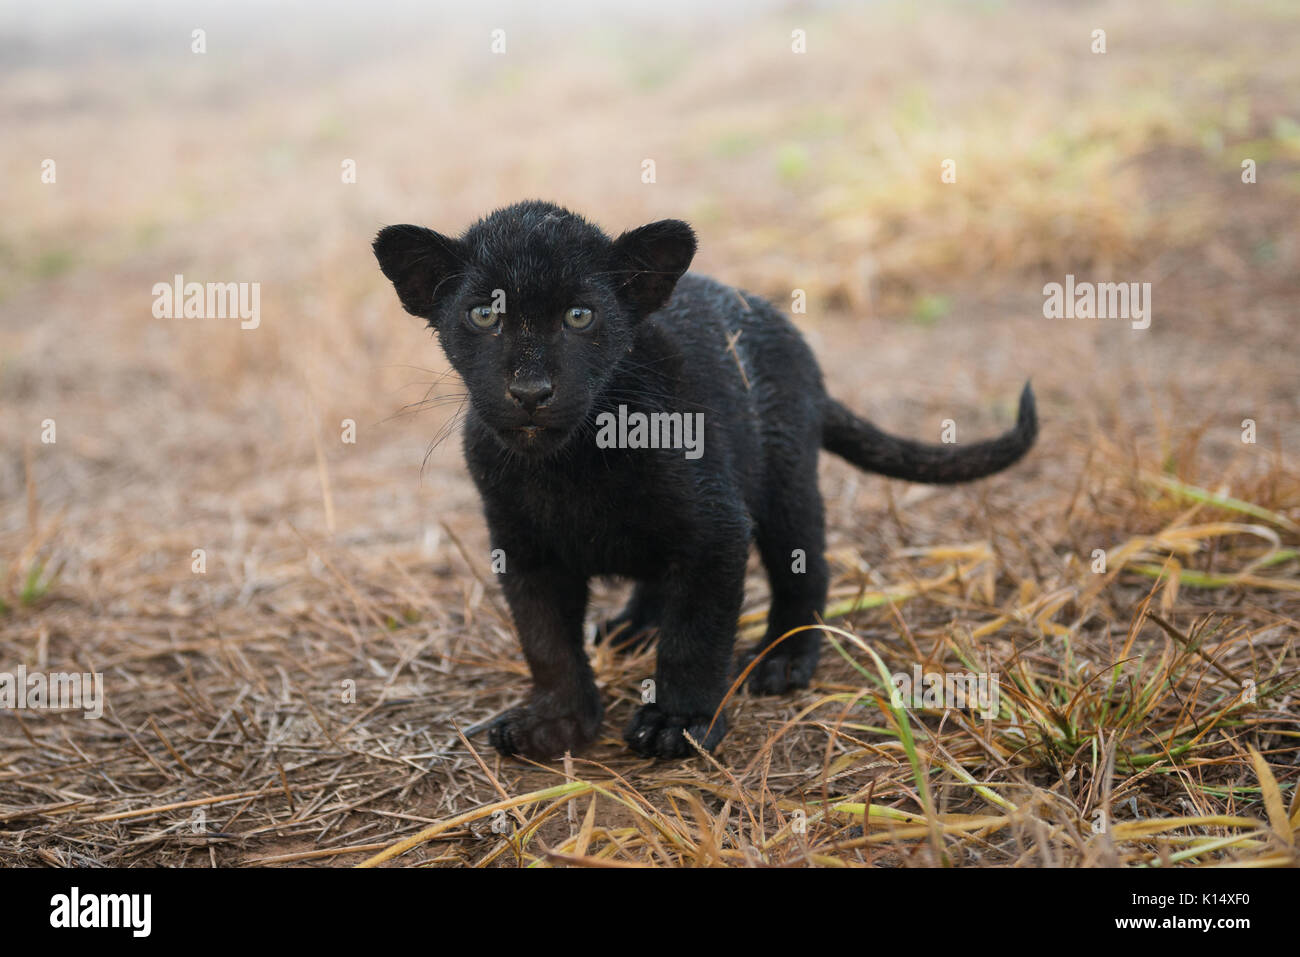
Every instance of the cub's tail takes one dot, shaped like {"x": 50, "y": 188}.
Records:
{"x": 861, "y": 443}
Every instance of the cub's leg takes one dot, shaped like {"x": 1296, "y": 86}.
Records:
{"x": 701, "y": 602}
{"x": 563, "y": 711}
{"x": 792, "y": 542}
{"x": 633, "y": 627}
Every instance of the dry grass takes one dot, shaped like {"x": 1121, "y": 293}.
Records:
{"x": 310, "y": 699}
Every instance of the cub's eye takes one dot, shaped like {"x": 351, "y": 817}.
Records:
{"x": 482, "y": 317}
{"x": 578, "y": 317}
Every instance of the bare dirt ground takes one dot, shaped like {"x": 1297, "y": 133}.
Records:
{"x": 297, "y": 699}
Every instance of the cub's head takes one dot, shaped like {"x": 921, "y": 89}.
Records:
{"x": 534, "y": 307}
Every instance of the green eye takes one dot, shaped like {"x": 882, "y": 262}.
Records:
{"x": 578, "y": 317}
{"x": 482, "y": 317}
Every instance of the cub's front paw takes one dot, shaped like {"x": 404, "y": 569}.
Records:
{"x": 533, "y": 732}
{"x": 653, "y": 733}
{"x": 781, "y": 669}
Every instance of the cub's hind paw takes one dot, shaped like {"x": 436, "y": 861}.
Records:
{"x": 522, "y": 730}
{"x": 653, "y": 733}
{"x": 781, "y": 669}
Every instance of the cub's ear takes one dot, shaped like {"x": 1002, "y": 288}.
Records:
{"x": 419, "y": 263}
{"x": 652, "y": 258}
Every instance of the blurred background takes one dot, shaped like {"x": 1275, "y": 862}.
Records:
{"x": 819, "y": 171}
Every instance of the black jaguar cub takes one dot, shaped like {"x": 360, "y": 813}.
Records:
{"x": 588, "y": 360}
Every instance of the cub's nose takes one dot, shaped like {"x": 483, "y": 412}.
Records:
{"x": 531, "y": 393}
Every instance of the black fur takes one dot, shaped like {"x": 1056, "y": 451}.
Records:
{"x": 565, "y": 510}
